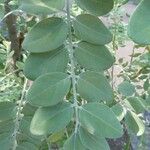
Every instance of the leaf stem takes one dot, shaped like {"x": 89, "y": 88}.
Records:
{"x": 19, "y": 116}
{"x": 131, "y": 59}
{"x": 71, "y": 57}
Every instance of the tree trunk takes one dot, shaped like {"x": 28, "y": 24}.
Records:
{"x": 12, "y": 31}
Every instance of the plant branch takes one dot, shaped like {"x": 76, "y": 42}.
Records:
{"x": 19, "y": 115}
{"x": 12, "y": 31}
{"x": 71, "y": 56}
{"x": 131, "y": 60}
{"x": 114, "y": 49}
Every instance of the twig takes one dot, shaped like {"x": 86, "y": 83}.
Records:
{"x": 131, "y": 60}
{"x": 18, "y": 115}
{"x": 48, "y": 143}
{"x": 12, "y": 30}
{"x": 71, "y": 57}
{"x": 7, "y": 75}
{"x": 114, "y": 50}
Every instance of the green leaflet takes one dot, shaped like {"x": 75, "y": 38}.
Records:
{"x": 51, "y": 119}
{"x": 1, "y": 12}
{"x": 74, "y": 143}
{"x": 100, "y": 120}
{"x": 93, "y": 57}
{"x": 96, "y": 7}
{"x": 47, "y": 35}
{"x": 6, "y": 126}
{"x": 126, "y": 88}
{"x": 49, "y": 89}
{"x": 29, "y": 110}
{"x": 92, "y": 142}
{"x": 136, "y": 104}
{"x": 25, "y": 127}
{"x": 40, "y": 7}
{"x": 26, "y": 146}
{"x": 5, "y": 141}
{"x": 42, "y": 63}
{"x": 83, "y": 140}
{"x": 139, "y": 25}
{"x": 119, "y": 111}
{"x": 93, "y": 86}
{"x": 25, "y": 137}
{"x": 146, "y": 84}
{"x": 7, "y": 110}
{"x": 91, "y": 29}
{"x": 55, "y": 137}
{"x": 145, "y": 60}
{"x": 134, "y": 124}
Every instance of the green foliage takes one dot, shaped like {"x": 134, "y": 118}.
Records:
{"x": 70, "y": 102}
{"x": 53, "y": 61}
{"x": 126, "y": 88}
{"x": 136, "y": 104}
{"x": 97, "y": 7}
{"x": 49, "y": 89}
{"x": 84, "y": 140}
{"x": 50, "y": 29}
{"x": 7, "y": 111}
{"x": 93, "y": 57}
{"x": 91, "y": 29}
{"x": 99, "y": 120}
{"x": 93, "y": 86}
{"x": 51, "y": 119}
{"x": 139, "y": 26}
{"x": 40, "y": 7}
{"x": 134, "y": 123}
{"x": 119, "y": 111}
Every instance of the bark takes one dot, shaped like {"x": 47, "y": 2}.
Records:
{"x": 12, "y": 31}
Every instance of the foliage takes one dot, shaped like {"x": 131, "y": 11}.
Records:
{"x": 70, "y": 104}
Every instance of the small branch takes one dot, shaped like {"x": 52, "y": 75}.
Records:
{"x": 71, "y": 57}
{"x": 19, "y": 115}
{"x": 131, "y": 60}
{"x": 48, "y": 143}
{"x": 12, "y": 31}
{"x": 7, "y": 75}
{"x": 114, "y": 50}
